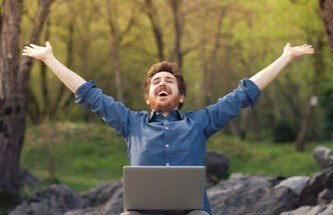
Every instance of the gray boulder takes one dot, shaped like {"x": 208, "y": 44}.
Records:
{"x": 217, "y": 166}
{"x": 325, "y": 197}
{"x": 106, "y": 199}
{"x": 323, "y": 156}
{"x": 317, "y": 183}
{"x": 104, "y": 192}
{"x": 26, "y": 178}
{"x": 295, "y": 183}
{"x": 240, "y": 194}
{"x": 54, "y": 200}
{"x": 312, "y": 210}
{"x": 251, "y": 194}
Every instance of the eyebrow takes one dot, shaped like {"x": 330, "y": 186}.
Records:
{"x": 167, "y": 78}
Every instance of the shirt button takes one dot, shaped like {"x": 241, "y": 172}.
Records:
{"x": 167, "y": 164}
{"x": 167, "y": 145}
{"x": 166, "y": 128}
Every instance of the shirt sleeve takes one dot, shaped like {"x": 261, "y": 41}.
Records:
{"x": 219, "y": 114}
{"x": 112, "y": 112}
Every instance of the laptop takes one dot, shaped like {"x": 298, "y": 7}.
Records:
{"x": 163, "y": 188}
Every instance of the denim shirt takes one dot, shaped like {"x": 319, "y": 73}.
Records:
{"x": 175, "y": 140}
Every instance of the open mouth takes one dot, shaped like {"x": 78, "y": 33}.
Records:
{"x": 163, "y": 94}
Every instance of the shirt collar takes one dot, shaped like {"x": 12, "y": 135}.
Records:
{"x": 174, "y": 115}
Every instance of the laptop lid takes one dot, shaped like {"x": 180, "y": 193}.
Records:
{"x": 163, "y": 187}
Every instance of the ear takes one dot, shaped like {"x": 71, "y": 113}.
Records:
{"x": 181, "y": 98}
{"x": 147, "y": 99}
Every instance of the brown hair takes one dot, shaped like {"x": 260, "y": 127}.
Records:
{"x": 165, "y": 66}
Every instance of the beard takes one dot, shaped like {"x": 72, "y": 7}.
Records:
{"x": 164, "y": 106}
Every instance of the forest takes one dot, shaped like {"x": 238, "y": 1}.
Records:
{"x": 215, "y": 43}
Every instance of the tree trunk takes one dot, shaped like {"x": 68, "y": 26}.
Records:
{"x": 326, "y": 9}
{"x": 175, "y": 6}
{"x": 58, "y": 103}
{"x": 115, "y": 49}
{"x": 11, "y": 117}
{"x": 244, "y": 123}
{"x": 44, "y": 83}
{"x": 117, "y": 36}
{"x": 155, "y": 24}
{"x": 300, "y": 141}
{"x": 14, "y": 79}
{"x": 319, "y": 68}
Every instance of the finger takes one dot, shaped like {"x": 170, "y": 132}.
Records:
{"x": 309, "y": 52}
{"x": 48, "y": 44}
{"x": 308, "y": 46}
{"x": 34, "y": 46}
{"x": 28, "y": 48}
{"x": 26, "y": 54}
{"x": 309, "y": 49}
{"x": 288, "y": 44}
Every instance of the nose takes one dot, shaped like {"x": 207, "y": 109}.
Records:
{"x": 162, "y": 83}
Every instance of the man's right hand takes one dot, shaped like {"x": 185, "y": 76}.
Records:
{"x": 38, "y": 52}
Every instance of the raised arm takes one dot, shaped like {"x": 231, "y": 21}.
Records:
{"x": 268, "y": 74}
{"x": 72, "y": 80}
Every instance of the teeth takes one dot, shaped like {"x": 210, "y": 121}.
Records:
{"x": 163, "y": 93}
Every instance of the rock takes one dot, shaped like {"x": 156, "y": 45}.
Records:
{"x": 315, "y": 185}
{"x": 107, "y": 199}
{"x": 252, "y": 194}
{"x": 325, "y": 197}
{"x": 323, "y": 156}
{"x": 217, "y": 166}
{"x": 295, "y": 183}
{"x": 240, "y": 194}
{"x": 103, "y": 193}
{"x": 25, "y": 178}
{"x": 312, "y": 210}
{"x": 86, "y": 211}
{"x": 54, "y": 200}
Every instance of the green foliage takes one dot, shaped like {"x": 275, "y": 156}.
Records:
{"x": 266, "y": 158}
{"x": 85, "y": 155}
{"x": 251, "y": 35}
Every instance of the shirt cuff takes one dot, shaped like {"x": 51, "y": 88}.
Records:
{"x": 251, "y": 90}
{"x": 82, "y": 91}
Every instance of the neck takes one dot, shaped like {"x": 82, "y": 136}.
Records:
{"x": 165, "y": 114}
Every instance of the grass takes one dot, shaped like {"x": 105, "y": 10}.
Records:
{"x": 266, "y": 158}
{"x": 83, "y": 155}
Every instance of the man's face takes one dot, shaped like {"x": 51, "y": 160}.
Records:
{"x": 164, "y": 93}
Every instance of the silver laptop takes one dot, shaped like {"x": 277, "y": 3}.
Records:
{"x": 163, "y": 187}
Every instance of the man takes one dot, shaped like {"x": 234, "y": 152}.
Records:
{"x": 165, "y": 136}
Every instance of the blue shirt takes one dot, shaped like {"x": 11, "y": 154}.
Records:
{"x": 175, "y": 140}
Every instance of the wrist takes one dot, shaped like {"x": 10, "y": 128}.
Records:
{"x": 48, "y": 58}
{"x": 287, "y": 57}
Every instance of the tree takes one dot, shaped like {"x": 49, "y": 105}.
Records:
{"x": 117, "y": 35}
{"x": 326, "y": 10}
{"x": 156, "y": 27}
{"x": 14, "y": 79}
{"x": 178, "y": 26}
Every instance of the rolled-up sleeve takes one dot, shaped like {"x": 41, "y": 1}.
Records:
{"x": 219, "y": 114}
{"x": 112, "y": 112}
